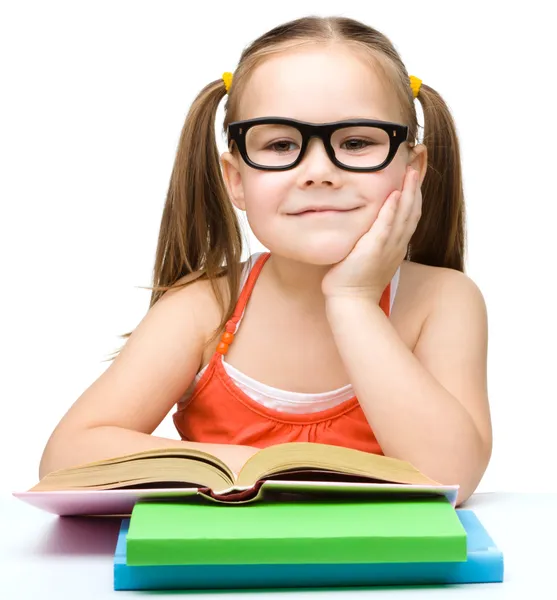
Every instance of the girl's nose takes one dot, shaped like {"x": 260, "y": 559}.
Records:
{"x": 316, "y": 167}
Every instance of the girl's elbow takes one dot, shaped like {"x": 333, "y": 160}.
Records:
{"x": 469, "y": 481}
{"x": 464, "y": 493}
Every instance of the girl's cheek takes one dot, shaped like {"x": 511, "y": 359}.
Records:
{"x": 379, "y": 188}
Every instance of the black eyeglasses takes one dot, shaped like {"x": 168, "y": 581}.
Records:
{"x": 278, "y": 144}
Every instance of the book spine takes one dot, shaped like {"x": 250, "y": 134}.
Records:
{"x": 485, "y": 567}
{"x": 233, "y": 495}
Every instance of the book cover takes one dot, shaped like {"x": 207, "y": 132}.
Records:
{"x": 417, "y": 530}
{"x": 122, "y": 501}
{"x": 484, "y": 564}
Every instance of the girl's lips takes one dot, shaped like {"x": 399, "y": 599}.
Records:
{"x": 326, "y": 211}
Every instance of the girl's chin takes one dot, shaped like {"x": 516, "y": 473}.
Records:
{"x": 319, "y": 252}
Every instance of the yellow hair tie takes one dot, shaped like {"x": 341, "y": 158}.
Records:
{"x": 227, "y": 78}
{"x": 415, "y": 84}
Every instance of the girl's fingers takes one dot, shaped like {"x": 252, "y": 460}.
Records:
{"x": 407, "y": 209}
{"x": 386, "y": 218}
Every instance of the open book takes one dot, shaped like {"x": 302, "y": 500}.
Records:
{"x": 114, "y": 485}
{"x": 191, "y": 467}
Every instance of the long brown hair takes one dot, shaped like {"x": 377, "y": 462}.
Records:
{"x": 200, "y": 237}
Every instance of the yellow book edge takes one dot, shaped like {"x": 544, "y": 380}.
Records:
{"x": 298, "y": 461}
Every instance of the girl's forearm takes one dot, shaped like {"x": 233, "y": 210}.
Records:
{"x": 412, "y": 415}
{"x": 99, "y": 443}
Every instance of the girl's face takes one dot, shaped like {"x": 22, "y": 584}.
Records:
{"x": 317, "y": 84}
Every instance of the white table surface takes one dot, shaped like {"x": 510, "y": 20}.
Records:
{"x": 44, "y": 556}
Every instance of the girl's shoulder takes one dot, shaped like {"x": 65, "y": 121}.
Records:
{"x": 427, "y": 293}
{"x": 208, "y": 312}
{"x": 201, "y": 293}
{"x": 420, "y": 278}
{"x": 438, "y": 301}
{"x": 434, "y": 282}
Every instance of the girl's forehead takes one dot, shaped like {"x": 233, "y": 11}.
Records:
{"x": 318, "y": 84}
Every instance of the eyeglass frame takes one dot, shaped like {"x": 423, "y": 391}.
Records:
{"x": 237, "y": 132}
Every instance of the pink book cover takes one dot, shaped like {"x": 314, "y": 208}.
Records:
{"x": 121, "y": 501}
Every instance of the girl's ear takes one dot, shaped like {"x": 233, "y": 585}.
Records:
{"x": 233, "y": 179}
{"x": 418, "y": 160}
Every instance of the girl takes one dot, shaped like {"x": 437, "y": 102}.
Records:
{"x": 358, "y": 327}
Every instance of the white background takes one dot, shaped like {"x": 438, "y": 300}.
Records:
{"x": 94, "y": 95}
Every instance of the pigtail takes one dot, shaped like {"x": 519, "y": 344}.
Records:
{"x": 199, "y": 236}
{"x": 439, "y": 239}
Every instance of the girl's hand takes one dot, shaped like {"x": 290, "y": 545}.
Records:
{"x": 373, "y": 261}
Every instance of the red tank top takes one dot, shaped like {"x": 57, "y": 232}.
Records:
{"x": 219, "y": 412}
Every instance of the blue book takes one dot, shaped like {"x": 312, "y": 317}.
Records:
{"x": 484, "y": 564}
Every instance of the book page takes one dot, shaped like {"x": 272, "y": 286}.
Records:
{"x": 161, "y": 465}
{"x": 282, "y": 458}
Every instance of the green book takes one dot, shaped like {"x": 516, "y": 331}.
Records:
{"x": 381, "y": 531}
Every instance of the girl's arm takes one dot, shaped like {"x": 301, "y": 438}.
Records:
{"x": 119, "y": 411}
{"x": 106, "y": 441}
{"x": 429, "y": 407}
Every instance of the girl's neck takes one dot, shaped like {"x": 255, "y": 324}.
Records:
{"x": 297, "y": 282}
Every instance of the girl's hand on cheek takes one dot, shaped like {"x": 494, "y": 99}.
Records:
{"x": 373, "y": 261}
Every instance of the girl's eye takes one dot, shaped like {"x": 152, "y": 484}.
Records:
{"x": 355, "y": 144}
{"x": 281, "y": 146}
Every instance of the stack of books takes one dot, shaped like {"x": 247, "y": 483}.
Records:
{"x": 297, "y": 515}
{"x": 186, "y": 546}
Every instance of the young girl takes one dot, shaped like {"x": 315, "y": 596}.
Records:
{"x": 358, "y": 327}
